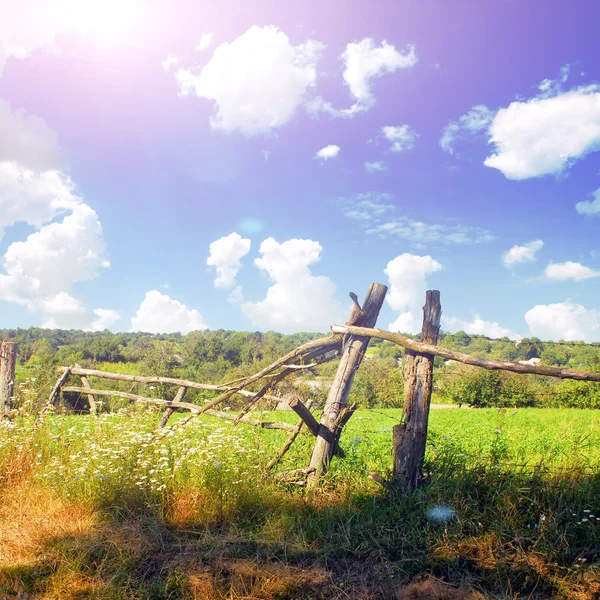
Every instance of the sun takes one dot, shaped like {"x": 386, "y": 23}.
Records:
{"x": 108, "y": 22}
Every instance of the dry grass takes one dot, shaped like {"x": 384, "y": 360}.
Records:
{"x": 30, "y": 517}
{"x": 106, "y": 512}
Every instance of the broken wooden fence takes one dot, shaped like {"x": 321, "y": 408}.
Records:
{"x": 410, "y": 435}
{"x": 349, "y": 347}
{"x": 348, "y": 342}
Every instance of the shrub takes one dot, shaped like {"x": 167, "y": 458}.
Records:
{"x": 573, "y": 394}
{"x": 482, "y": 388}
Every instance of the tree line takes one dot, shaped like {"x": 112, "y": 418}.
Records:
{"x": 215, "y": 356}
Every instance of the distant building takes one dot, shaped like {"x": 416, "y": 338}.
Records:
{"x": 532, "y": 362}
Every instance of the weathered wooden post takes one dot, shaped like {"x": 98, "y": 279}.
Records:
{"x": 337, "y": 400}
{"x": 169, "y": 411}
{"x": 410, "y": 436}
{"x": 8, "y": 361}
{"x": 93, "y": 402}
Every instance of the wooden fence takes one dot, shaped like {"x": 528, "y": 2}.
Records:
{"x": 410, "y": 435}
{"x": 348, "y": 343}
{"x": 8, "y": 361}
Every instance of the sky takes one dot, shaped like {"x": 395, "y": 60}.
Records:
{"x": 183, "y": 165}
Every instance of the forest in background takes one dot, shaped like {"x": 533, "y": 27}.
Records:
{"x": 216, "y": 356}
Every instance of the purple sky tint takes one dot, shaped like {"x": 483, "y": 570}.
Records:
{"x": 165, "y": 182}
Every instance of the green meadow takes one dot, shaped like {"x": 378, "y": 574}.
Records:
{"x": 113, "y": 508}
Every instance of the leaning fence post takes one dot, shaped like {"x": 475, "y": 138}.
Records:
{"x": 93, "y": 402}
{"x": 410, "y": 436}
{"x": 169, "y": 411}
{"x": 8, "y": 361}
{"x": 337, "y": 399}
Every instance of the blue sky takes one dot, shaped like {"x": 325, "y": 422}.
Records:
{"x": 318, "y": 147}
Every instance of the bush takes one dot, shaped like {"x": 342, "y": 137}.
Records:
{"x": 482, "y": 388}
{"x": 378, "y": 383}
{"x": 573, "y": 394}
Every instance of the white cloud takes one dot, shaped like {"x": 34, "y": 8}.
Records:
{"x": 63, "y": 311}
{"x": 370, "y": 209}
{"x": 478, "y": 326}
{"x": 62, "y": 304}
{"x": 328, "y": 152}
{"x": 236, "y": 296}
{"x": 551, "y": 87}
{"x": 569, "y": 271}
{"x": 205, "y": 42}
{"x": 30, "y": 25}
{"x": 297, "y": 300}
{"x": 423, "y": 233}
{"x": 34, "y": 198}
{"x": 27, "y": 140}
{"x": 407, "y": 275}
{"x": 40, "y": 271}
{"x": 159, "y": 313}
{"x": 564, "y": 321}
{"x": 365, "y": 61}
{"x": 52, "y": 259}
{"x": 402, "y": 137}
{"x": 104, "y": 319}
{"x": 544, "y": 136}
{"x": 258, "y": 81}
{"x": 589, "y": 207}
{"x": 369, "y": 206}
{"x": 376, "y": 166}
{"x": 476, "y": 120}
{"x": 20, "y": 33}
{"x": 66, "y": 312}
{"x": 521, "y": 254}
{"x": 226, "y": 255}
{"x": 170, "y": 61}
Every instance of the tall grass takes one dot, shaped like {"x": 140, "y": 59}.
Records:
{"x": 109, "y": 508}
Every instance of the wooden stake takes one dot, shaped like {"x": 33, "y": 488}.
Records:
{"x": 313, "y": 425}
{"x": 91, "y": 398}
{"x": 167, "y": 414}
{"x": 337, "y": 399}
{"x": 302, "y": 411}
{"x": 8, "y": 361}
{"x": 55, "y": 393}
{"x": 410, "y": 436}
{"x": 289, "y": 441}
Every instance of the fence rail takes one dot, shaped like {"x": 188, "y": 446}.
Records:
{"x": 485, "y": 363}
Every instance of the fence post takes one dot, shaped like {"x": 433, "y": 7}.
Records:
{"x": 8, "y": 361}
{"x": 353, "y": 352}
{"x": 410, "y": 436}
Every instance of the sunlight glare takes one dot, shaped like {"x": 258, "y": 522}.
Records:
{"x": 108, "y": 22}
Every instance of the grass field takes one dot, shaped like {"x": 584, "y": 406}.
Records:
{"x": 109, "y": 509}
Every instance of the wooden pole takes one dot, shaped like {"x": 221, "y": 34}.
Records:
{"x": 162, "y": 380}
{"x": 169, "y": 411}
{"x": 91, "y": 398}
{"x": 55, "y": 393}
{"x": 289, "y": 441}
{"x": 354, "y": 348}
{"x": 193, "y": 408}
{"x": 304, "y": 413}
{"x": 410, "y": 436}
{"x": 8, "y": 361}
{"x": 467, "y": 359}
